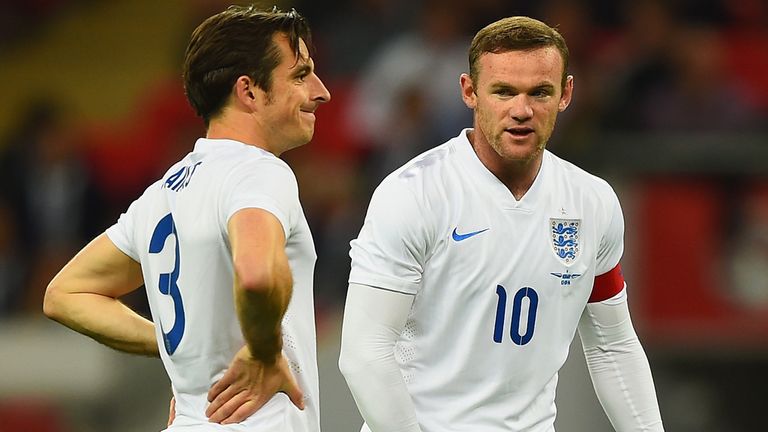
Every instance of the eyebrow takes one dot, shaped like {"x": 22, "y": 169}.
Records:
{"x": 506, "y": 86}
{"x": 303, "y": 69}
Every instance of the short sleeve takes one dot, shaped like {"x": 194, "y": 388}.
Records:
{"x": 262, "y": 183}
{"x": 121, "y": 233}
{"x": 612, "y": 242}
{"x": 390, "y": 251}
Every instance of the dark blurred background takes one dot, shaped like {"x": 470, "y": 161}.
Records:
{"x": 670, "y": 106}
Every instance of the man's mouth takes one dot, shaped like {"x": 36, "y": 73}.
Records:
{"x": 519, "y": 131}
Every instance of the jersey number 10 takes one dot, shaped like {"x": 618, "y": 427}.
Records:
{"x": 517, "y": 309}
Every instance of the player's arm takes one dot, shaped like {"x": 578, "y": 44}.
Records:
{"x": 262, "y": 291}
{"x": 84, "y": 297}
{"x": 373, "y": 320}
{"x": 618, "y": 366}
{"x": 616, "y": 360}
{"x": 263, "y": 280}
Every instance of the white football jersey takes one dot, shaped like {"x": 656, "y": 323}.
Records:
{"x": 177, "y": 230}
{"x": 499, "y": 284}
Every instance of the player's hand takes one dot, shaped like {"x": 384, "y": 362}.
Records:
{"x": 247, "y": 385}
{"x": 172, "y": 411}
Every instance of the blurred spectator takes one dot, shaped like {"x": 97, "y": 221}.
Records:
{"x": 12, "y": 263}
{"x": 634, "y": 63}
{"x": 24, "y": 18}
{"x": 481, "y": 12}
{"x": 346, "y": 35}
{"x": 746, "y": 48}
{"x": 700, "y": 97}
{"x": 392, "y": 66}
{"x": 407, "y": 98}
{"x": 747, "y": 251}
{"x": 161, "y": 125}
{"x": 333, "y": 198}
{"x": 50, "y": 190}
{"x": 576, "y": 126}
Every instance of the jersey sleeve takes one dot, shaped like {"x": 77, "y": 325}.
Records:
{"x": 390, "y": 251}
{"x": 263, "y": 183}
{"x": 612, "y": 241}
{"x": 609, "y": 279}
{"x": 122, "y": 232}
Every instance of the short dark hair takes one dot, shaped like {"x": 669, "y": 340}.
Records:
{"x": 517, "y": 33}
{"x": 236, "y": 42}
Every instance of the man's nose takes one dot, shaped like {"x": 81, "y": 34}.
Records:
{"x": 520, "y": 108}
{"x": 321, "y": 93}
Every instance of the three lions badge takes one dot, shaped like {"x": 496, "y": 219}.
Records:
{"x": 565, "y": 238}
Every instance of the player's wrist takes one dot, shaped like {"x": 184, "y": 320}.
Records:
{"x": 266, "y": 355}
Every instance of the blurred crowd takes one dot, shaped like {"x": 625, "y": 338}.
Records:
{"x": 671, "y": 97}
{"x": 650, "y": 68}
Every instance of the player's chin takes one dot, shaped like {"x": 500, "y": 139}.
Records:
{"x": 308, "y": 126}
{"x": 308, "y": 135}
{"x": 518, "y": 152}
{"x": 300, "y": 139}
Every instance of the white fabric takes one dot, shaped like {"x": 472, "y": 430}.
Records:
{"x": 618, "y": 366}
{"x": 201, "y": 192}
{"x": 373, "y": 320}
{"x": 459, "y": 376}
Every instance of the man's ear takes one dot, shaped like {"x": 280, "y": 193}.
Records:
{"x": 468, "y": 94}
{"x": 565, "y": 99}
{"x": 245, "y": 91}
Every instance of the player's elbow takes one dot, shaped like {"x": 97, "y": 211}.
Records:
{"x": 260, "y": 279}
{"x": 53, "y": 302}
{"x": 347, "y": 364}
{"x": 354, "y": 357}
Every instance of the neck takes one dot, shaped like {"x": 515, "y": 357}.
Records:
{"x": 517, "y": 175}
{"x": 242, "y": 130}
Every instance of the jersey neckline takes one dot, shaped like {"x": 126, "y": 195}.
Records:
{"x": 493, "y": 185}
{"x": 208, "y": 145}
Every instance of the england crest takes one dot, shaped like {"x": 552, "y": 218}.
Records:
{"x": 565, "y": 238}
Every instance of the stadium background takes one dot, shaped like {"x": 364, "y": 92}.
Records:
{"x": 671, "y": 106}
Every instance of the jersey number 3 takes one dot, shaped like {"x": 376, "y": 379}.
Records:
{"x": 517, "y": 310}
{"x": 168, "y": 282}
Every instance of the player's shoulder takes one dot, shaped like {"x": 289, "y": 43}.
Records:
{"x": 578, "y": 177}
{"x": 150, "y": 191}
{"x": 416, "y": 185}
{"x": 249, "y": 162}
{"x": 425, "y": 169}
{"x": 247, "y": 155}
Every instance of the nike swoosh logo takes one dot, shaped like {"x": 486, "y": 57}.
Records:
{"x": 459, "y": 237}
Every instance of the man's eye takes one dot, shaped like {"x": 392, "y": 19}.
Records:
{"x": 504, "y": 92}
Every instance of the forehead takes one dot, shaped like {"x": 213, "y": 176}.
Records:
{"x": 536, "y": 65}
{"x": 287, "y": 56}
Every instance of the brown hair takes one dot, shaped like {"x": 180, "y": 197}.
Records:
{"x": 233, "y": 43}
{"x": 517, "y": 33}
